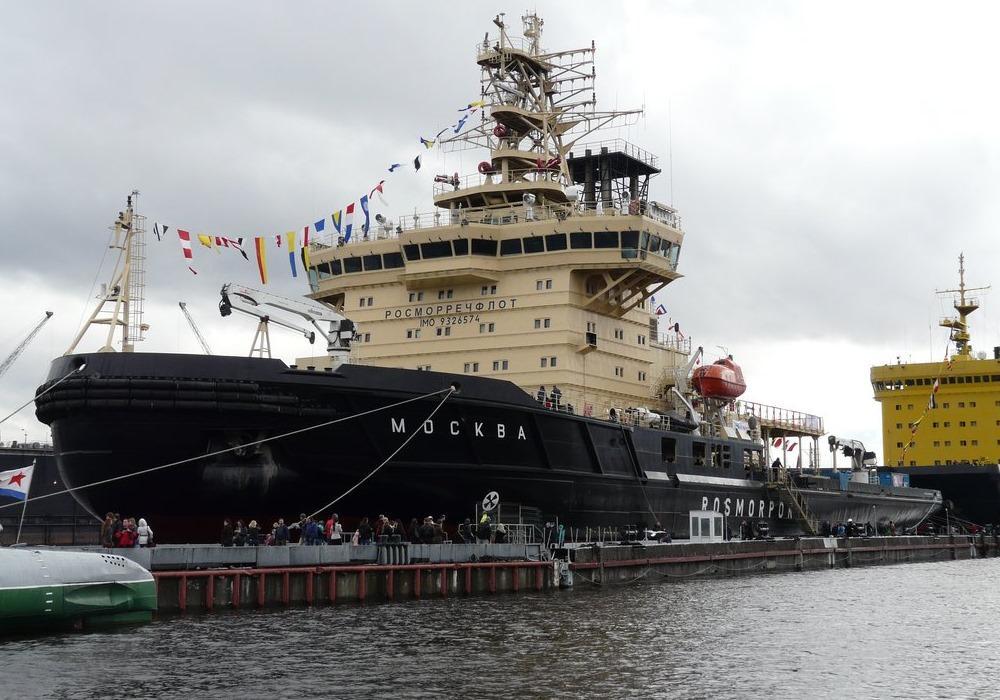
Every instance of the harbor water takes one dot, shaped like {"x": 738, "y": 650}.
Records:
{"x": 918, "y": 630}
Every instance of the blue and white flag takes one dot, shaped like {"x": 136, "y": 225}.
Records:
{"x": 15, "y": 483}
{"x": 364, "y": 208}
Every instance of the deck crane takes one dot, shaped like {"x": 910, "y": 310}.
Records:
{"x": 11, "y": 358}
{"x": 197, "y": 333}
{"x": 338, "y": 333}
{"x": 852, "y": 449}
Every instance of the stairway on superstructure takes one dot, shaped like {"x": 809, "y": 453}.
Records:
{"x": 779, "y": 482}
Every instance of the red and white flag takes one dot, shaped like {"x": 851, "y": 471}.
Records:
{"x": 185, "y": 237}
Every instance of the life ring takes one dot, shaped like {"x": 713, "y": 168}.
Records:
{"x": 486, "y": 168}
{"x": 501, "y": 131}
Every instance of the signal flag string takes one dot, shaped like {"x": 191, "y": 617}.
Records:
{"x": 447, "y": 392}
{"x": 451, "y": 390}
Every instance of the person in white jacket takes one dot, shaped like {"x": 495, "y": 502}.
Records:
{"x": 145, "y": 533}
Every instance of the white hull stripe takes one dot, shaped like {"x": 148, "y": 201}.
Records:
{"x": 65, "y": 584}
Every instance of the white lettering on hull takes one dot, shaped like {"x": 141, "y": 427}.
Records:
{"x": 398, "y": 425}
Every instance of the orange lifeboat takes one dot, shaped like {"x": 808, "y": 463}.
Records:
{"x": 723, "y": 379}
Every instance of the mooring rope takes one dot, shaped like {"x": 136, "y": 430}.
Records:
{"x": 406, "y": 442}
{"x": 448, "y": 392}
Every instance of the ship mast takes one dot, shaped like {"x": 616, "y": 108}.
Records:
{"x": 124, "y": 292}
{"x": 536, "y": 106}
{"x": 964, "y": 306}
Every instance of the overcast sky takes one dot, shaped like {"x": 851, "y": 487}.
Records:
{"x": 830, "y": 161}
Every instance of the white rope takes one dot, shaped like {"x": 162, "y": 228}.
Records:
{"x": 35, "y": 397}
{"x": 389, "y": 458}
{"x": 448, "y": 392}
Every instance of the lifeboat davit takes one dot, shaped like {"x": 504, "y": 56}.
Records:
{"x": 723, "y": 379}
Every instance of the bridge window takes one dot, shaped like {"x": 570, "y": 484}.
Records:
{"x": 581, "y": 239}
{"x": 511, "y": 246}
{"x": 630, "y": 239}
{"x": 654, "y": 244}
{"x": 392, "y": 260}
{"x": 372, "y": 262}
{"x": 461, "y": 246}
{"x": 605, "y": 239}
{"x": 352, "y": 264}
{"x": 532, "y": 244}
{"x": 436, "y": 249}
{"x": 335, "y": 267}
{"x": 555, "y": 241}
{"x": 481, "y": 246}
{"x": 412, "y": 251}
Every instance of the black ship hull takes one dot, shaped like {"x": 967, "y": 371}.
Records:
{"x": 124, "y": 413}
{"x": 971, "y": 491}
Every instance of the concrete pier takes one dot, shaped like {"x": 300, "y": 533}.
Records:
{"x": 625, "y": 563}
{"x": 210, "y": 577}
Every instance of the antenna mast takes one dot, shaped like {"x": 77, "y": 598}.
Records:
{"x": 964, "y": 306}
{"x": 125, "y": 290}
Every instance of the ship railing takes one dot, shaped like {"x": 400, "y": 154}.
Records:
{"x": 514, "y": 213}
{"x": 616, "y": 146}
{"x": 455, "y": 183}
{"x": 488, "y": 48}
{"x": 783, "y": 418}
{"x": 522, "y": 533}
{"x": 578, "y": 404}
{"x": 672, "y": 341}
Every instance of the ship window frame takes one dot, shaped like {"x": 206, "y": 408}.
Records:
{"x": 654, "y": 243}
{"x": 435, "y": 250}
{"x": 630, "y": 234}
{"x": 484, "y": 247}
{"x": 698, "y": 452}
{"x": 412, "y": 251}
{"x": 393, "y": 261}
{"x": 555, "y": 242}
{"x": 537, "y": 243}
{"x": 460, "y": 246}
{"x": 668, "y": 450}
{"x": 581, "y": 240}
{"x": 349, "y": 263}
{"x": 510, "y": 246}
{"x": 606, "y": 240}
{"x": 371, "y": 262}
{"x": 336, "y": 268}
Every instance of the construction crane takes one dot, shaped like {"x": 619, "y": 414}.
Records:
{"x": 197, "y": 333}
{"x": 11, "y": 358}
{"x": 339, "y": 331}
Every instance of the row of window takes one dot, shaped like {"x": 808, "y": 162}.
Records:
{"x": 946, "y": 424}
{"x": 631, "y": 243}
{"x": 928, "y": 381}
{"x": 945, "y": 404}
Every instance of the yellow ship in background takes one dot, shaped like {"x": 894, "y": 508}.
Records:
{"x": 941, "y": 420}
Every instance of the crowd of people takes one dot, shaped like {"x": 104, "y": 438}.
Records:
{"x": 118, "y": 532}
{"x": 310, "y": 531}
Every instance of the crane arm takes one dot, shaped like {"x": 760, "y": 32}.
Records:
{"x": 11, "y": 358}
{"x": 338, "y": 331}
{"x": 197, "y": 333}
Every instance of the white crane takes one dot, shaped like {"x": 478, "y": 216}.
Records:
{"x": 24, "y": 343}
{"x": 339, "y": 331}
{"x": 197, "y": 333}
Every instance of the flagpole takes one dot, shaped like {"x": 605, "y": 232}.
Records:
{"x": 24, "y": 508}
